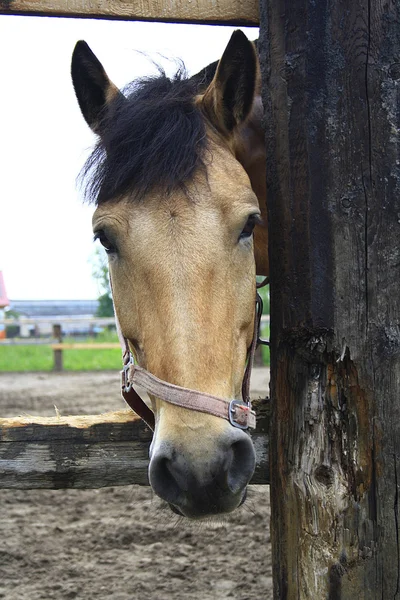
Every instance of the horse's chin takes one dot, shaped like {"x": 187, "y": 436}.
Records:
{"x": 207, "y": 515}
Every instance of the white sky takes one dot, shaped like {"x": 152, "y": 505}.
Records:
{"x": 45, "y": 231}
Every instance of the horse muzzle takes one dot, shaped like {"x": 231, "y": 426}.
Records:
{"x": 197, "y": 488}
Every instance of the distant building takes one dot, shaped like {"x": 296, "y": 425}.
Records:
{"x": 54, "y": 308}
{"x": 3, "y": 303}
{"x": 46, "y": 313}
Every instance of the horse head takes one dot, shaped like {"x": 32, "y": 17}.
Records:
{"x": 172, "y": 177}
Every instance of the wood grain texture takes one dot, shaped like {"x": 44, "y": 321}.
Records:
{"x": 332, "y": 99}
{"x": 236, "y": 12}
{"x": 90, "y": 451}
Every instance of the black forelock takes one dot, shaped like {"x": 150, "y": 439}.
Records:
{"x": 154, "y": 137}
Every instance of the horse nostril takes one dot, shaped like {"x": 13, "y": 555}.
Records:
{"x": 165, "y": 478}
{"x": 242, "y": 464}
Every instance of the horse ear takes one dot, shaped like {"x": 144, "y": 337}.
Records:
{"x": 93, "y": 88}
{"x": 229, "y": 98}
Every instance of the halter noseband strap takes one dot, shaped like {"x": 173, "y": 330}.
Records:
{"x": 237, "y": 412}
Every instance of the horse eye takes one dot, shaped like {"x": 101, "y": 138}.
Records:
{"x": 104, "y": 241}
{"x": 248, "y": 229}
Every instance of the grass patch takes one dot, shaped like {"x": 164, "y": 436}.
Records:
{"x": 26, "y": 358}
{"x": 92, "y": 360}
{"x": 40, "y": 357}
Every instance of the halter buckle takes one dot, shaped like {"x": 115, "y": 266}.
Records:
{"x": 241, "y": 415}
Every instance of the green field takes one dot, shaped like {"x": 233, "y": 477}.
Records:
{"x": 40, "y": 357}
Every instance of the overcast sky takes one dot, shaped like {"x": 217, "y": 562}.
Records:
{"x": 45, "y": 230}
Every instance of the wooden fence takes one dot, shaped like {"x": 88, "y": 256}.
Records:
{"x": 91, "y": 451}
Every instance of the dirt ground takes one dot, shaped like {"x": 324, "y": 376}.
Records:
{"x": 120, "y": 543}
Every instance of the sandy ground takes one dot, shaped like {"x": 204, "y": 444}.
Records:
{"x": 120, "y": 543}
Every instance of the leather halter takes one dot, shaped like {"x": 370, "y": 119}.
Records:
{"x": 238, "y": 412}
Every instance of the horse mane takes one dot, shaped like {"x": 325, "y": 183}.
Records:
{"x": 153, "y": 136}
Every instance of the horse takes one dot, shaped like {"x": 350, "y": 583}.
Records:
{"x": 178, "y": 182}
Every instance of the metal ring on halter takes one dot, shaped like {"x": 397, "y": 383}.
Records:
{"x": 233, "y": 417}
{"x": 127, "y": 384}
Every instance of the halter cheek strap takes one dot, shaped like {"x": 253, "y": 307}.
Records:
{"x": 238, "y": 412}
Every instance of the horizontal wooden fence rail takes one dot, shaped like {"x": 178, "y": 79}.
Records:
{"x": 86, "y": 346}
{"x": 92, "y": 451}
{"x": 237, "y": 12}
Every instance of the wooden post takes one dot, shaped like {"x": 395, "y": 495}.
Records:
{"x": 331, "y": 75}
{"x": 57, "y": 352}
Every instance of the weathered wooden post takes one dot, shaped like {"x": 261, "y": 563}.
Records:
{"x": 57, "y": 352}
{"x": 332, "y": 98}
